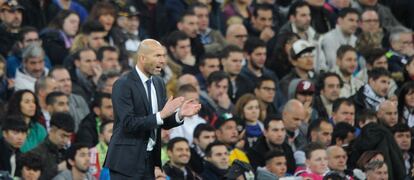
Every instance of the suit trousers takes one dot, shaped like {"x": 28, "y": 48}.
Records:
{"x": 147, "y": 174}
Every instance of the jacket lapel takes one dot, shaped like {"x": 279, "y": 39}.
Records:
{"x": 140, "y": 88}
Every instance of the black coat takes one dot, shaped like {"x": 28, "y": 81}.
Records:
{"x": 6, "y": 151}
{"x": 196, "y": 161}
{"x": 7, "y": 40}
{"x": 54, "y": 46}
{"x": 87, "y": 132}
{"x": 211, "y": 172}
{"x": 177, "y": 174}
{"x": 36, "y": 16}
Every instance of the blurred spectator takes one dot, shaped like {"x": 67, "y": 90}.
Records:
{"x": 217, "y": 161}
{"x": 71, "y": 5}
{"x": 108, "y": 56}
{"x": 11, "y": 18}
{"x": 236, "y": 34}
{"x": 42, "y": 88}
{"x": 153, "y": 17}
{"x": 402, "y": 135}
{"x": 55, "y": 102}
{"x": 188, "y": 24}
{"x": 240, "y": 170}
{"x": 293, "y": 115}
{"x": 236, "y": 11}
{"x": 260, "y": 25}
{"x": 204, "y": 134}
{"x": 276, "y": 166}
{"x": 279, "y": 58}
{"x": 371, "y": 33}
{"x": 387, "y": 113}
{"x": 374, "y": 58}
{"x": 180, "y": 56}
{"x": 328, "y": 88}
{"x": 207, "y": 64}
{"x": 77, "y": 160}
{"x": 98, "y": 153}
{"x": 316, "y": 162}
{"x": 92, "y": 35}
{"x": 106, "y": 81}
{"x": 37, "y": 13}
{"x": 376, "y": 170}
{"x": 320, "y": 16}
{"x": 303, "y": 90}
{"x": 343, "y": 135}
{"x": 335, "y": 6}
{"x": 366, "y": 117}
{"x": 265, "y": 92}
{"x": 406, "y": 104}
{"x": 343, "y": 110}
{"x": 337, "y": 159}
{"x": 401, "y": 49}
{"x": 30, "y": 166}
{"x": 408, "y": 72}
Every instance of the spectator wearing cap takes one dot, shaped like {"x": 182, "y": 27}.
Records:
{"x": 347, "y": 24}
{"x": 303, "y": 64}
{"x": 11, "y": 18}
{"x": 303, "y": 90}
{"x": 204, "y": 134}
{"x": 217, "y": 161}
{"x": 346, "y": 64}
{"x": 131, "y": 28}
{"x": 53, "y": 147}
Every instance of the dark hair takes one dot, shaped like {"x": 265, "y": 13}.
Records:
{"x": 279, "y": 59}
{"x": 186, "y": 88}
{"x": 272, "y": 154}
{"x": 25, "y": 30}
{"x": 103, "y": 125}
{"x": 262, "y": 79}
{"x": 366, "y": 157}
{"x": 209, "y": 147}
{"x": 296, "y": 5}
{"x": 14, "y": 105}
{"x": 225, "y": 53}
{"x": 58, "y": 21}
{"x": 341, "y": 131}
{"x": 102, "y": 8}
{"x": 15, "y": 123}
{"x": 31, "y": 160}
{"x": 72, "y": 151}
{"x": 105, "y": 77}
{"x": 197, "y": 5}
{"x": 407, "y": 75}
{"x": 338, "y": 102}
{"x": 270, "y": 118}
{"x": 200, "y": 128}
{"x": 376, "y": 73}
{"x": 51, "y": 97}
{"x": 345, "y": 11}
{"x": 102, "y": 50}
{"x": 186, "y": 13}
{"x": 62, "y": 121}
{"x": 262, "y": 7}
{"x": 173, "y": 141}
{"x": 78, "y": 53}
{"x": 365, "y": 115}
{"x": 373, "y": 55}
{"x": 174, "y": 37}
{"x": 252, "y": 43}
{"x": 90, "y": 27}
{"x": 206, "y": 56}
{"x": 407, "y": 88}
{"x": 315, "y": 126}
{"x": 55, "y": 68}
{"x": 313, "y": 146}
{"x": 320, "y": 84}
{"x": 97, "y": 102}
{"x": 400, "y": 127}
{"x": 343, "y": 49}
{"x": 216, "y": 76}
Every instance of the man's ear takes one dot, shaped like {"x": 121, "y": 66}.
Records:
{"x": 77, "y": 62}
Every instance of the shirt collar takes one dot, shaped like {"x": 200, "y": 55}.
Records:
{"x": 141, "y": 75}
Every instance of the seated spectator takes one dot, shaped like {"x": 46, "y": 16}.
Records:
{"x": 276, "y": 166}
{"x": 316, "y": 162}
{"x": 265, "y": 91}
{"x": 367, "y": 157}
{"x": 207, "y": 64}
{"x": 343, "y": 135}
{"x": 11, "y": 21}
{"x": 240, "y": 170}
{"x": 108, "y": 56}
{"x": 217, "y": 161}
{"x": 406, "y": 104}
{"x": 14, "y": 132}
{"x": 401, "y": 48}
{"x": 408, "y": 72}
{"x": 279, "y": 58}
{"x": 92, "y": 35}
{"x": 402, "y": 135}
{"x": 236, "y": 34}
{"x": 74, "y": 6}
{"x": 30, "y": 166}
{"x": 304, "y": 90}
{"x": 328, "y": 88}
{"x": 52, "y": 150}
{"x": 260, "y": 25}
{"x": 178, "y": 151}
{"x": 98, "y": 153}
{"x": 188, "y": 24}
{"x": 337, "y": 159}
{"x": 43, "y": 87}
{"x": 56, "y": 102}
{"x": 343, "y": 110}
{"x": 106, "y": 81}
{"x": 180, "y": 58}
{"x": 366, "y": 117}
{"x": 320, "y": 17}
{"x": 77, "y": 161}
{"x": 204, "y": 134}
{"x": 371, "y": 33}
{"x": 335, "y": 6}
{"x": 376, "y": 170}
{"x": 387, "y": 113}
{"x": 236, "y": 10}
{"x": 6, "y": 84}
{"x": 293, "y": 116}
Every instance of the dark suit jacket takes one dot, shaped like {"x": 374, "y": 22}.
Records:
{"x": 133, "y": 125}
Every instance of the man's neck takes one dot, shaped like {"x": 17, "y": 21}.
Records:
{"x": 256, "y": 71}
{"x": 302, "y": 74}
{"x": 347, "y": 35}
{"x": 346, "y": 77}
{"x": 77, "y": 175}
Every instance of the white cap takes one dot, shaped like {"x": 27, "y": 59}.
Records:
{"x": 301, "y": 46}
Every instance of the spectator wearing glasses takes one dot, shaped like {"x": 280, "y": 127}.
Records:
{"x": 236, "y": 34}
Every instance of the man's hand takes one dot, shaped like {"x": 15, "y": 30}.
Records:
{"x": 267, "y": 34}
{"x": 171, "y": 106}
{"x": 189, "y": 108}
{"x": 224, "y": 101}
{"x": 97, "y": 70}
{"x": 159, "y": 174}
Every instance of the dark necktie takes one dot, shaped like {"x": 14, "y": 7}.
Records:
{"x": 148, "y": 83}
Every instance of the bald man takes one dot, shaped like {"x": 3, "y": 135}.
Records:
{"x": 141, "y": 109}
{"x": 387, "y": 113}
{"x": 188, "y": 79}
{"x": 293, "y": 116}
{"x": 337, "y": 158}
{"x": 236, "y": 34}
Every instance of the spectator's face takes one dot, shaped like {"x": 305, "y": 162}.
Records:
{"x": 263, "y": 20}
{"x": 331, "y": 89}
{"x": 340, "y": 4}
{"x": 337, "y": 159}
{"x": 277, "y": 166}
{"x": 318, "y": 161}
{"x": 81, "y": 160}
{"x": 133, "y": 24}
{"x": 388, "y": 114}
{"x": 180, "y": 154}
{"x": 189, "y": 26}
{"x": 182, "y": 49}
{"x": 403, "y": 140}
{"x": 370, "y": 22}
{"x": 29, "y": 38}
{"x": 276, "y": 133}
{"x": 11, "y": 18}
{"x": 63, "y": 80}
{"x": 409, "y": 99}
{"x": 107, "y": 133}
{"x": 348, "y": 63}
{"x": 202, "y": 15}
{"x": 217, "y": 89}
{"x": 105, "y": 112}
{"x": 107, "y": 20}
{"x": 266, "y": 92}
{"x": 257, "y": 58}
{"x": 71, "y": 25}
{"x": 96, "y": 40}
{"x": 206, "y": 137}
{"x": 302, "y": 18}
{"x": 219, "y": 157}
{"x": 228, "y": 133}
{"x": 345, "y": 113}
{"x": 15, "y": 138}
{"x": 210, "y": 65}
{"x": 304, "y": 62}
{"x": 380, "y": 86}
{"x": 61, "y": 105}
{"x": 87, "y": 62}
{"x": 368, "y": 2}
{"x": 251, "y": 111}
{"x": 59, "y": 137}
{"x": 305, "y": 98}
{"x": 109, "y": 84}
{"x": 404, "y": 44}
{"x": 110, "y": 61}
{"x": 30, "y": 174}
{"x": 410, "y": 68}
{"x": 122, "y": 22}
{"x": 293, "y": 120}
{"x": 378, "y": 174}
{"x": 237, "y": 35}
{"x": 324, "y": 135}
{"x": 27, "y": 105}
{"x": 349, "y": 23}
{"x": 35, "y": 66}
{"x": 233, "y": 64}
{"x": 380, "y": 63}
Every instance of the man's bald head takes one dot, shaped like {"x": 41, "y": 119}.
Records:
{"x": 388, "y": 113}
{"x": 151, "y": 57}
{"x": 293, "y": 106}
{"x": 293, "y": 114}
{"x": 188, "y": 79}
{"x": 337, "y": 158}
{"x": 147, "y": 46}
{"x": 386, "y": 105}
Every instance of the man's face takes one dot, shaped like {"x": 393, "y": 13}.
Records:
{"x": 388, "y": 114}
{"x": 349, "y": 23}
{"x": 35, "y": 66}
{"x": 29, "y": 38}
{"x": 380, "y": 63}
{"x": 210, "y": 65}
{"x": 257, "y": 58}
{"x": 206, "y": 137}
{"x": 292, "y": 120}
{"x": 132, "y": 24}
{"x": 276, "y": 133}
{"x": 154, "y": 61}
{"x": 337, "y": 159}
{"x": 219, "y": 157}
{"x": 109, "y": 84}
{"x": 180, "y": 154}
{"x": 110, "y": 61}
{"x": 403, "y": 44}
{"x": 324, "y": 135}
{"x": 370, "y": 22}
{"x": 348, "y": 63}
{"x": 105, "y": 111}
{"x": 266, "y": 92}
{"x": 368, "y": 2}
{"x": 302, "y": 18}
{"x": 345, "y": 113}
{"x": 30, "y": 174}
{"x": 189, "y": 26}
{"x": 237, "y": 36}
{"x": 233, "y": 64}
{"x": 59, "y": 137}
{"x": 182, "y": 49}
{"x": 277, "y": 166}
{"x": 63, "y": 80}
{"x": 202, "y": 15}
{"x": 378, "y": 174}
{"x": 304, "y": 62}
{"x": 331, "y": 89}
{"x": 228, "y": 133}
{"x": 15, "y": 138}
{"x": 51, "y": 86}
{"x": 61, "y": 105}
{"x": 318, "y": 162}
{"x": 11, "y": 18}
{"x": 263, "y": 20}
{"x": 96, "y": 40}
{"x": 380, "y": 86}
{"x": 81, "y": 161}
{"x": 87, "y": 62}
{"x": 107, "y": 133}
{"x": 403, "y": 140}
{"x": 217, "y": 89}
